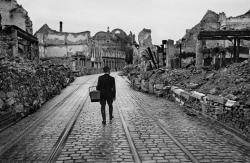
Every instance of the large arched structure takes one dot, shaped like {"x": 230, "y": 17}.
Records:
{"x": 102, "y": 36}
{"x": 119, "y": 31}
{"x": 114, "y": 46}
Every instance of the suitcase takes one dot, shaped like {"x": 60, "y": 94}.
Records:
{"x": 94, "y": 94}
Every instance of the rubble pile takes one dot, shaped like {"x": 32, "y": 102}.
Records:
{"x": 223, "y": 95}
{"x": 24, "y": 87}
{"x": 178, "y": 77}
{"x": 232, "y": 82}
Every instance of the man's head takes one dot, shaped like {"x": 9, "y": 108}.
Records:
{"x": 106, "y": 69}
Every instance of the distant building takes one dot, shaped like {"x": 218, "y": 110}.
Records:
{"x": 114, "y": 46}
{"x": 82, "y": 52}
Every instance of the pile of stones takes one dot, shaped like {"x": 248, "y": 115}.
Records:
{"x": 24, "y": 87}
{"x": 223, "y": 94}
{"x": 232, "y": 82}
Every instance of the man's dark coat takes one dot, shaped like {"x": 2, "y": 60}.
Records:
{"x": 106, "y": 85}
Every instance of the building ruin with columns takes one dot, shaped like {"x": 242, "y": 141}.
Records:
{"x": 213, "y": 22}
{"x": 84, "y": 53}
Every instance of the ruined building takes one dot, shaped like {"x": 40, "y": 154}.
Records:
{"x": 115, "y": 45}
{"x": 14, "y": 14}
{"x": 83, "y": 53}
{"x": 70, "y": 49}
{"x": 212, "y": 21}
{"x": 16, "y": 39}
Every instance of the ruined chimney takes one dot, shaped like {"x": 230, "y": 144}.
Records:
{"x": 61, "y": 26}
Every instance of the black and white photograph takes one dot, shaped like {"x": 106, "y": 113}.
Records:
{"x": 124, "y": 81}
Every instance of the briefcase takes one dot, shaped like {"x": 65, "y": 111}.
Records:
{"x": 94, "y": 94}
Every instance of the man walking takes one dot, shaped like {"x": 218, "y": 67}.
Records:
{"x": 106, "y": 86}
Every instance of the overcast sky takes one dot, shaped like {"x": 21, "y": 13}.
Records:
{"x": 168, "y": 19}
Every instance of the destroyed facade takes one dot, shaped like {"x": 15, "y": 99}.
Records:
{"x": 212, "y": 21}
{"x": 83, "y": 53}
{"x": 16, "y": 39}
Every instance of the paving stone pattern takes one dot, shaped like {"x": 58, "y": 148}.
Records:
{"x": 90, "y": 141}
{"x": 14, "y": 130}
{"x": 205, "y": 140}
{"x": 150, "y": 140}
{"x": 36, "y": 145}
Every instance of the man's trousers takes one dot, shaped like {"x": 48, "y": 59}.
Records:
{"x": 103, "y": 104}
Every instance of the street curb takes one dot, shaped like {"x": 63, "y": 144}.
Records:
{"x": 182, "y": 97}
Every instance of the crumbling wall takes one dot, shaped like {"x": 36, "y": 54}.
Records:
{"x": 214, "y": 21}
{"x": 210, "y": 21}
{"x": 145, "y": 39}
{"x": 241, "y": 22}
{"x": 80, "y": 38}
{"x": 146, "y": 50}
{"x": 235, "y": 23}
{"x": 5, "y": 48}
{"x": 55, "y": 51}
{"x": 14, "y": 14}
{"x": 62, "y": 44}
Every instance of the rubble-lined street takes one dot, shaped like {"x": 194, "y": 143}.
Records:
{"x": 179, "y": 90}
{"x": 145, "y": 129}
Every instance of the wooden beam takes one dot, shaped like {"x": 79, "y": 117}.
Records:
{"x": 234, "y": 50}
{"x": 223, "y": 35}
{"x": 237, "y": 49}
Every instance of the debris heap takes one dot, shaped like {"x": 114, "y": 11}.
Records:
{"x": 24, "y": 87}
{"x": 223, "y": 94}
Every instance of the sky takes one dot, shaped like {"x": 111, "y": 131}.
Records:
{"x": 167, "y": 19}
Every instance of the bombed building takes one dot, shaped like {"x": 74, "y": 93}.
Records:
{"x": 224, "y": 39}
{"x": 212, "y": 21}
{"x": 16, "y": 39}
{"x": 83, "y": 53}
{"x": 14, "y": 14}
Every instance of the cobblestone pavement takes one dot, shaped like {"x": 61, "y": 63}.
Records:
{"x": 36, "y": 145}
{"x": 90, "y": 141}
{"x": 205, "y": 140}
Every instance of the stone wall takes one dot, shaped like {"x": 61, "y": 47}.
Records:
{"x": 16, "y": 43}
{"x": 5, "y": 42}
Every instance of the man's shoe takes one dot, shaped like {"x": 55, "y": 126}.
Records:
{"x": 111, "y": 117}
{"x": 104, "y": 122}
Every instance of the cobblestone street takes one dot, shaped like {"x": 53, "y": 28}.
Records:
{"x": 145, "y": 128}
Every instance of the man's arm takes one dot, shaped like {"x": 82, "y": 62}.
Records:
{"x": 98, "y": 87}
{"x": 114, "y": 90}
